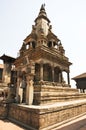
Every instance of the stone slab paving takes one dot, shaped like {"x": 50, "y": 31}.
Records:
{"x": 77, "y": 124}
{"x": 7, "y": 125}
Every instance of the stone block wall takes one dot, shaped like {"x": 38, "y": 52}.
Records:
{"x": 24, "y": 115}
{"x": 54, "y": 117}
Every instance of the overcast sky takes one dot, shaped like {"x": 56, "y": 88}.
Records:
{"x": 68, "y": 20}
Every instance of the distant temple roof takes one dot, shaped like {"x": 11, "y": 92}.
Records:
{"x": 7, "y": 58}
{"x": 83, "y": 75}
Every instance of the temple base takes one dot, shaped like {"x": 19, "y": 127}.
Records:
{"x": 46, "y": 94}
{"x": 47, "y": 117}
{"x": 52, "y": 106}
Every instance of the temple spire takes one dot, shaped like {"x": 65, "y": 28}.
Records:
{"x": 42, "y": 7}
{"x": 42, "y": 22}
{"x": 42, "y": 13}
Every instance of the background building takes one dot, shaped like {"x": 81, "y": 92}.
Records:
{"x": 81, "y": 82}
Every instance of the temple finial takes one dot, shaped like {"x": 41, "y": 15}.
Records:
{"x": 44, "y": 4}
{"x": 43, "y": 7}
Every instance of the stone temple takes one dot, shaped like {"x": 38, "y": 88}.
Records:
{"x": 38, "y": 97}
{"x": 42, "y": 60}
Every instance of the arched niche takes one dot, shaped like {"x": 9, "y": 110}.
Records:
{"x": 27, "y": 45}
{"x": 33, "y": 44}
{"x": 52, "y": 43}
{"x": 49, "y": 44}
{"x": 55, "y": 44}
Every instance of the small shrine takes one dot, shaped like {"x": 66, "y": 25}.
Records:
{"x": 42, "y": 58}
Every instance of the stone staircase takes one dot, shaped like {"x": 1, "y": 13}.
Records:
{"x": 50, "y": 94}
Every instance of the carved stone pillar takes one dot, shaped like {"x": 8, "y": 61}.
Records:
{"x": 31, "y": 45}
{"x": 52, "y": 44}
{"x": 29, "y": 90}
{"x": 41, "y": 71}
{"x": 53, "y": 74}
{"x": 60, "y": 77}
{"x": 68, "y": 78}
{"x": 17, "y": 89}
{"x": 20, "y": 91}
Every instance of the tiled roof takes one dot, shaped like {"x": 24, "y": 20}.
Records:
{"x": 1, "y": 66}
{"x": 7, "y": 58}
{"x": 83, "y": 75}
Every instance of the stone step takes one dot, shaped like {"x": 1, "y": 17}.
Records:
{"x": 50, "y": 94}
{"x": 45, "y": 88}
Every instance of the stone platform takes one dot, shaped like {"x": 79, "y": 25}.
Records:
{"x": 52, "y": 106}
{"x": 46, "y": 117}
{"x": 46, "y": 94}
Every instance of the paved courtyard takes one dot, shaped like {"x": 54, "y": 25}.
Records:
{"x": 77, "y": 124}
{"x": 7, "y": 125}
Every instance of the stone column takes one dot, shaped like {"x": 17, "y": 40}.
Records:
{"x": 41, "y": 71}
{"x": 68, "y": 78}
{"x": 20, "y": 92}
{"x": 60, "y": 77}
{"x": 31, "y": 45}
{"x": 53, "y": 74}
{"x": 17, "y": 90}
{"x": 52, "y": 44}
{"x": 29, "y": 90}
